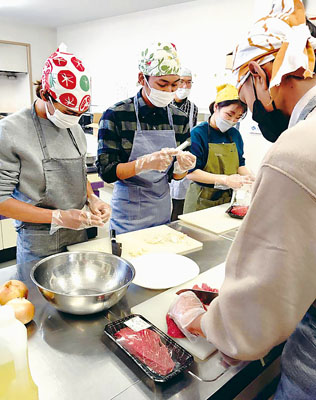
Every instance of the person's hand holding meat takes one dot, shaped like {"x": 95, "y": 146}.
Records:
{"x": 99, "y": 207}
{"x": 186, "y": 310}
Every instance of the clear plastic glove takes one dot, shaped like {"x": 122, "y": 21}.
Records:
{"x": 185, "y": 162}
{"x": 234, "y": 181}
{"x": 185, "y": 309}
{"x": 74, "y": 219}
{"x": 99, "y": 207}
{"x": 158, "y": 161}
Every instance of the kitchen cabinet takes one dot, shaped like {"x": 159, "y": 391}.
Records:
{"x": 1, "y": 241}
{"x": 9, "y": 234}
{"x": 94, "y": 177}
{"x": 16, "y": 80}
{"x": 13, "y": 58}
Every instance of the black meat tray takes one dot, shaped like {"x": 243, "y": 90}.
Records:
{"x": 182, "y": 358}
{"x": 228, "y": 211}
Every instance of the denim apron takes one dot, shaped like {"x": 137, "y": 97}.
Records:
{"x": 298, "y": 361}
{"x": 144, "y": 200}
{"x": 65, "y": 188}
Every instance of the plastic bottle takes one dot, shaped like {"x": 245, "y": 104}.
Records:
{"x": 15, "y": 378}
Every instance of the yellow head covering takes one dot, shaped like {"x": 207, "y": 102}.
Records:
{"x": 226, "y": 92}
{"x": 281, "y": 36}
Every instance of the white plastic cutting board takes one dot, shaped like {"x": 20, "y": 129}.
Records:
{"x": 212, "y": 219}
{"x": 156, "y": 308}
{"x": 158, "y": 239}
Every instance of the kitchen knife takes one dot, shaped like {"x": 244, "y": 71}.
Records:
{"x": 116, "y": 247}
{"x": 205, "y": 296}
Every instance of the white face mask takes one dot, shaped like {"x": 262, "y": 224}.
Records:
{"x": 61, "y": 120}
{"x": 223, "y": 124}
{"x": 159, "y": 98}
{"x": 183, "y": 93}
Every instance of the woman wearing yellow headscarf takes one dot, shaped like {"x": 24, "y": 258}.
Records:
{"x": 219, "y": 149}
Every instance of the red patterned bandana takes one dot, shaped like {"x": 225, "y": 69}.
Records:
{"x": 66, "y": 80}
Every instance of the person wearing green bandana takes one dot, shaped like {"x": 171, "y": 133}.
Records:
{"x": 138, "y": 138}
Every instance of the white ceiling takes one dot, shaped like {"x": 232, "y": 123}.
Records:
{"x": 65, "y": 12}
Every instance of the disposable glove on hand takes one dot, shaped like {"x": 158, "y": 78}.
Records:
{"x": 234, "y": 181}
{"x": 99, "y": 207}
{"x": 184, "y": 310}
{"x": 185, "y": 162}
{"x": 74, "y": 219}
{"x": 158, "y": 161}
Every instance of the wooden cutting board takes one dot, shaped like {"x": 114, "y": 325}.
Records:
{"x": 212, "y": 219}
{"x": 156, "y": 308}
{"x": 158, "y": 239}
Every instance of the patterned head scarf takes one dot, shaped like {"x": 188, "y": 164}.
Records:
{"x": 226, "y": 92}
{"x": 66, "y": 80}
{"x": 159, "y": 59}
{"x": 281, "y": 36}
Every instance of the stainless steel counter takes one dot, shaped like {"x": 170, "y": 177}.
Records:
{"x": 71, "y": 358}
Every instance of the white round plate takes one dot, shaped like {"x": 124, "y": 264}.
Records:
{"x": 163, "y": 270}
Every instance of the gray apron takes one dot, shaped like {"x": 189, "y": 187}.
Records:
{"x": 143, "y": 200}
{"x": 298, "y": 361}
{"x": 66, "y": 188}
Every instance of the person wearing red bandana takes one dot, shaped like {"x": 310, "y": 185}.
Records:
{"x": 43, "y": 180}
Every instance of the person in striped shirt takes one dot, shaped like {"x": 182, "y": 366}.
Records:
{"x": 137, "y": 143}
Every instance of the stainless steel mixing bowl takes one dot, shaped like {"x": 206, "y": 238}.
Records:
{"x": 82, "y": 282}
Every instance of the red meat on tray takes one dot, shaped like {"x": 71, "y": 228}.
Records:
{"x": 148, "y": 348}
{"x": 241, "y": 211}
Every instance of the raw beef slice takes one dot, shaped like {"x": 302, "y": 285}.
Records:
{"x": 173, "y": 330}
{"x": 241, "y": 211}
{"x": 148, "y": 348}
{"x": 205, "y": 287}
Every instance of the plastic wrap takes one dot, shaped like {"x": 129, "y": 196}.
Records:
{"x": 240, "y": 202}
{"x": 153, "y": 351}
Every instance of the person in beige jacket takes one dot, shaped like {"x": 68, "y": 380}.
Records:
{"x": 269, "y": 290}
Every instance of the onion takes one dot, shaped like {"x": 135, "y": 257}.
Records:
{"x": 12, "y": 290}
{"x": 23, "y": 309}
